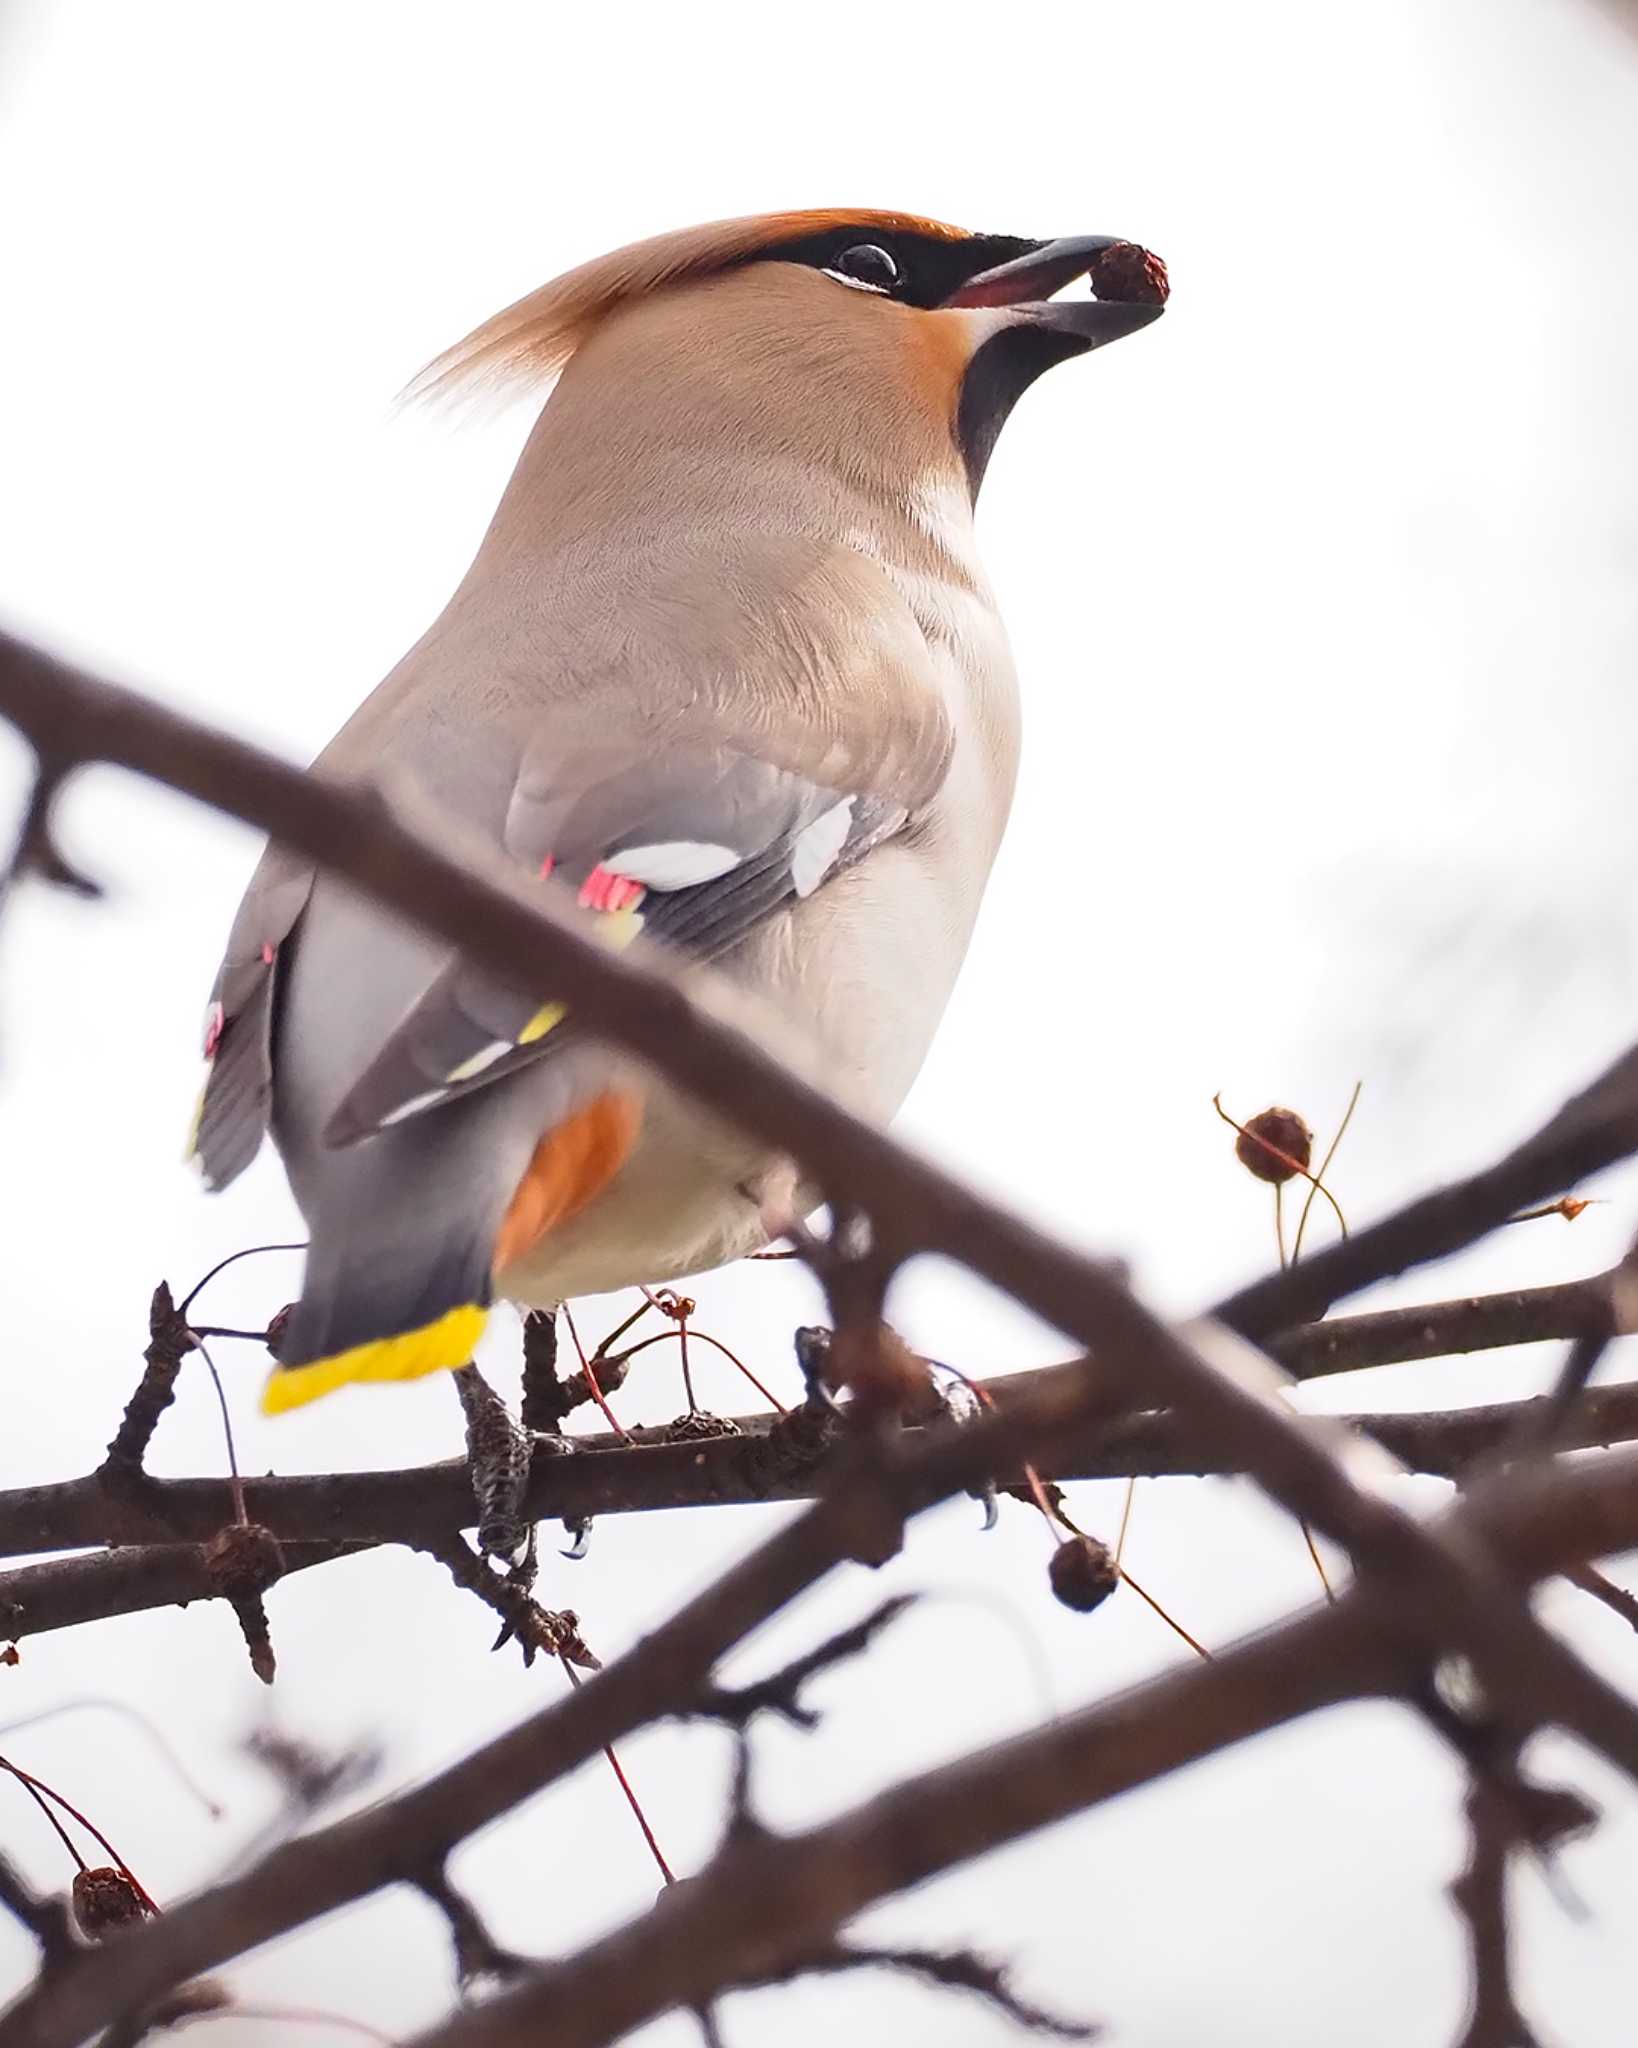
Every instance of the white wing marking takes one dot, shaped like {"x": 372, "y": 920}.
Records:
{"x": 817, "y": 846}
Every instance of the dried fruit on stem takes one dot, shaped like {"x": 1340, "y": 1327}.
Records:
{"x": 104, "y": 1898}
{"x": 1275, "y": 1145}
{"x": 1083, "y": 1573}
{"x": 244, "y": 1560}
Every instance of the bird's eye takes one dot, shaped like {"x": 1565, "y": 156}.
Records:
{"x": 867, "y": 264}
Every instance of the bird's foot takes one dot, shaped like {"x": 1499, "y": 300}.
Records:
{"x": 498, "y": 1453}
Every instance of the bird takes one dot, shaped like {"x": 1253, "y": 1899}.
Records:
{"x": 726, "y": 671}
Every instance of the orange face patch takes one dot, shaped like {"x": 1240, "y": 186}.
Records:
{"x": 573, "y": 1162}
{"x": 943, "y": 344}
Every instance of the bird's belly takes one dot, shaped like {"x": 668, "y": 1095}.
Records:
{"x": 856, "y": 979}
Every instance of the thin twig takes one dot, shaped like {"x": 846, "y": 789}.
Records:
{"x": 169, "y": 1342}
{"x": 1480, "y": 1893}
{"x": 47, "y": 1919}
{"x": 781, "y": 1693}
{"x": 1616, "y": 1598}
{"x": 1324, "y": 1169}
{"x": 477, "y": 1953}
{"x": 950, "y": 1970}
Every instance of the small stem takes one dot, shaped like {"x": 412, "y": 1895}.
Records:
{"x": 632, "y": 1800}
{"x": 1285, "y": 1159}
{"x": 250, "y": 1251}
{"x": 52, "y": 1821}
{"x": 90, "y": 1827}
{"x": 1125, "y": 1521}
{"x": 733, "y": 1358}
{"x": 1319, "y": 1563}
{"x": 1616, "y": 1598}
{"x": 609, "y": 1415}
{"x": 138, "y": 1719}
{"x": 1325, "y": 1168}
{"x": 235, "y": 1483}
{"x": 1177, "y": 1627}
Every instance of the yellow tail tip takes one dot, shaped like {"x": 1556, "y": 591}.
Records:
{"x": 436, "y": 1347}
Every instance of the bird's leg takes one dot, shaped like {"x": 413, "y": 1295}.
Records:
{"x": 542, "y": 1409}
{"x": 498, "y": 1453}
{"x": 812, "y": 1358}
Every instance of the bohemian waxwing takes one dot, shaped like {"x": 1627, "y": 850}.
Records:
{"x": 727, "y": 666}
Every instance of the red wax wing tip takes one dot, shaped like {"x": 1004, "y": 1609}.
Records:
{"x": 1129, "y": 275}
{"x": 604, "y": 890}
{"x": 267, "y": 954}
{"x": 547, "y": 866}
{"x": 215, "y": 1018}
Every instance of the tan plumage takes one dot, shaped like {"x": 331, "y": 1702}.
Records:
{"x": 528, "y": 342}
{"x": 726, "y": 662}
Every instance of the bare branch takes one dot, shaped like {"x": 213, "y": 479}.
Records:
{"x": 523, "y": 1619}
{"x": 1540, "y": 1522}
{"x": 69, "y": 1591}
{"x": 1616, "y": 1598}
{"x": 780, "y": 1458}
{"x": 951, "y": 1970}
{"x": 1595, "y": 1307}
{"x": 169, "y": 1342}
{"x": 421, "y": 1505}
{"x": 1480, "y": 1895}
{"x": 782, "y": 1692}
{"x": 766, "y": 1901}
{"x": 477, "y": 1953}
{"x": 47, "y": 1919}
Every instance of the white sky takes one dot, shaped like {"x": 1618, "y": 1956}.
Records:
{"x": 1322, "y": 597}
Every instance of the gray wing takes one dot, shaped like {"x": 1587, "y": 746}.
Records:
{"x": 238, "y": 1093}
{"x": 695, "y": 844}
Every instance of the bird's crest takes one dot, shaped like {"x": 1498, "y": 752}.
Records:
{"x": 530, "y": 341}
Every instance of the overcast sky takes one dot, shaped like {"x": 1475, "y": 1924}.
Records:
{"x": 1322, "y": 597}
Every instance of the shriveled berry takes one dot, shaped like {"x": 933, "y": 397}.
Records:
{"x": 1130, "y": 275}
{"x": 1083, "y": 1573}
{"x": 105, "y": 1898}
{"x": 1275, "y": 1145}
{"x": 244, "y": 1559}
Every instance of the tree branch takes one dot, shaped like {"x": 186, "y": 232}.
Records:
{"x": 69, "y": 1591}
{"x": 951, "y": 1970}
{"x": 766, "y": 1900}
{"x": 1569, "y": 1511}
{"x": 47, "y": 1919}
{"x": 423, "y": 1506}
{"x": 781, "y": 1458}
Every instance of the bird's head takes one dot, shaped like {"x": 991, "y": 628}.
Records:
{"x": 943, "y": 324}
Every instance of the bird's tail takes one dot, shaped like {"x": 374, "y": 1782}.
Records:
{"x": 399, "y": 1283}
{"x": 374, "y": 1307}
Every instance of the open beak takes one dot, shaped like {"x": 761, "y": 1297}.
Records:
{"x": 1030, "y": 280}
{"x": 1038, "y": 275}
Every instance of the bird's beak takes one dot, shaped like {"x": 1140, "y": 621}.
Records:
{"x": 1031, "y": 279}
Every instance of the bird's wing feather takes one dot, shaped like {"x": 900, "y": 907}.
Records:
{"x": 696, "y": 848}
{"x": 238, "y": 1092}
